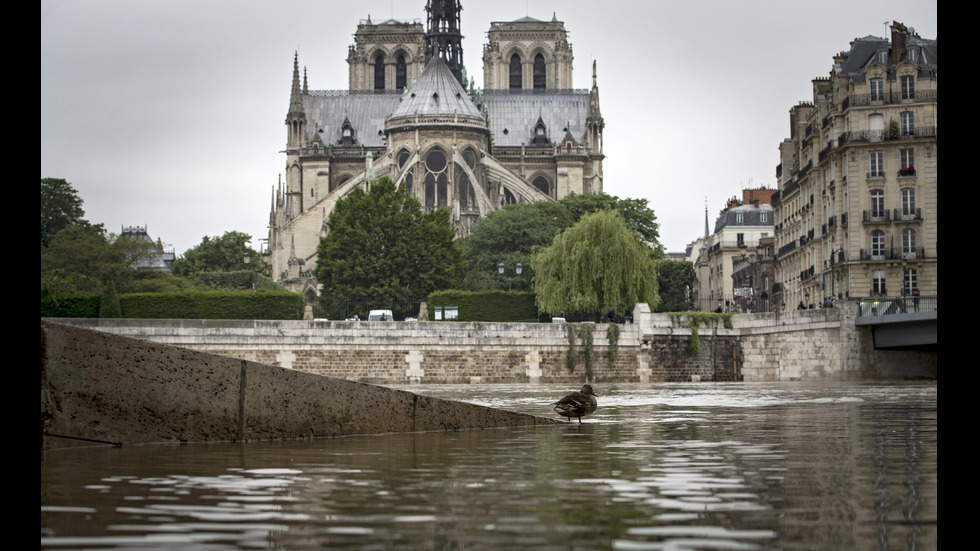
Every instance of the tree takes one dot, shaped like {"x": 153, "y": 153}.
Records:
{"x": 595, "y": 266}
{"x": 381, "y": 246}
{"x": 217, "y": 254}
{"x": 676, "y": 280}
{"x": 60, "y": 207}
{"x": 637, "y": 214}
{"x": 510, "y": 236}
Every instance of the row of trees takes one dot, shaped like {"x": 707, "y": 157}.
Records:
{"x": 586, "y": 254}
{"x": 583, "y": 255}
{"x": 79, "y": 258}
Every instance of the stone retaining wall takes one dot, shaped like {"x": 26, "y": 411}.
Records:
{"x": 102, "y": 388}
{"x": 797, "y": 345}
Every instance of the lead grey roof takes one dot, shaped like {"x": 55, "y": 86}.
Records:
{"x": 863, "y": 51}
{"x": 750, "y": 216}
{"x": 518, "y": 113}
{"x": 327, "y": 109}
{"x": 436, "y": 92}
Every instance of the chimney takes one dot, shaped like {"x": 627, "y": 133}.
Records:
{"x": 899, "y": 34}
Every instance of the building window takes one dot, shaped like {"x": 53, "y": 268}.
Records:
{"x": 436, "y": 180}
{"x": 907, "y": 162}
{"x": 910, "y": 281}
{"x": 379, "y": 72}
{"x": 541, "y": 183}
{"x": 907, "y": 124}
{"x": 876, "y": 127}
{"x": 908, "y": 88}
{"x": 908, "y": 203}
{"x": 878, "y": 282}
{"x": 877, "y": 204}
{"x": 877, "y": 89}
{"x": 877, "y": 245}
{"x": 763, "y": 217}
{"x": 401, "y": 73}
{"x": 908, "y": 243}
{"x": 403, "y": 158}
{"x": 539, "y": 72}
{"x": 738, "y": 218}
{"x": 515, "y": 72}
{"x": 877, "y": 164}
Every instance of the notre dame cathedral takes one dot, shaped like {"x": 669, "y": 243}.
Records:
{"x": 410, "y": 114}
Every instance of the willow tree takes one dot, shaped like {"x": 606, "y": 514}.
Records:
{"x": 597, "y": 265}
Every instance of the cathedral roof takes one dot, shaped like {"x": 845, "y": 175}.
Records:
{"x": 366, "y": 112}
{"x": 513, "y": 116}
{"x": 436, "y": 92}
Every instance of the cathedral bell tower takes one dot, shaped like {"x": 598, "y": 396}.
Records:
{"x": 443, "y": 38}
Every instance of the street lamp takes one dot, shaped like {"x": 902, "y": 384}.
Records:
{"x": 246, "y": 259}
{"x": 510, "y": 280}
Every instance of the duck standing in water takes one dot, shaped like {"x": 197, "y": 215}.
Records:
{"x": 577, "y": 404}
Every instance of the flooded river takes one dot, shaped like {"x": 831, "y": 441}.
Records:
{"x": 667, "y": 466}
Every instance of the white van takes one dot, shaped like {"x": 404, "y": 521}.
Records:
{"x": 380, "y": 315}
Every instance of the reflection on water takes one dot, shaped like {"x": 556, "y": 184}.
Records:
{"x": 707, "y": 466}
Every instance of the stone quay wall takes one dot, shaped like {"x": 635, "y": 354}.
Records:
{"x": 797, "y": 345}
{"x": 100, "y": 388}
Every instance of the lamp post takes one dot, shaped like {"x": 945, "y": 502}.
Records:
{"x": 510, "y": 280}
{"x": 246, "y": 259}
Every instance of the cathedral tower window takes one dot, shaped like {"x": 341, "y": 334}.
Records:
{"x": 401, "y": 73}
{"x": 379, "y": 72}
{"x": 539, "y": 72}
{"x": 516, "y": 73}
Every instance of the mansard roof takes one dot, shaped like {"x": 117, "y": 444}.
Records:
{"x": 751, "y": 216}
{"x": 864, "y": 50}
{"x": 436, "y": 92}
{"x": 518, "y": 113}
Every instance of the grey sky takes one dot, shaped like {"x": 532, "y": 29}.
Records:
{"x": 170, "y": 114}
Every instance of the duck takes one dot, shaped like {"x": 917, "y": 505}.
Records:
{"x": 577, "y": 404}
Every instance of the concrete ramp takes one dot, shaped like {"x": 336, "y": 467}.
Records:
{"x": 103, "y": 388}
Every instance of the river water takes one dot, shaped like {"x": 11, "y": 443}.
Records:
{"x": 666, "y": 466}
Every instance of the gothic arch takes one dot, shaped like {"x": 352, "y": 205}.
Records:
{"x": 378, "y": 66}
{"x": 515, "y": 71}
{"x": 436, "y": 165}
{"x": 543, "y": 183}
{"x": 402, "y": 63}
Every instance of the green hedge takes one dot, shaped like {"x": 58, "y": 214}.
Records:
{"x": 188, "y": 305}
{"x": 487, "y": 305}
{"x": 86, "y": 306}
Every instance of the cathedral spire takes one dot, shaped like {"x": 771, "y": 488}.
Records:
{"x": 295, "y": 95}
{"x": 296, "y": 117}
{"x": 443, "y": 37}
{"x": 594, "y": 122}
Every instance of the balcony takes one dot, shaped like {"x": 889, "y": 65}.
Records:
{"x": 908, "y": 216}
{"x": 891, "y": 98}
{"x": 914, "y": 254}
{"x": 876, "y": 216}
{"x": 879, "y": 254}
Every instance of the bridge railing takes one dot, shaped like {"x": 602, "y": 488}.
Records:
{"x": 899, "y": 305}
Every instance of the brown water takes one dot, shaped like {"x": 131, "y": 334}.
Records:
{"x": 705, "y": 466}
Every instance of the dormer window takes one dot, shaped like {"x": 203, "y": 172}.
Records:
{"x": 347, "y": 134}
{"x": 540, "y": 135}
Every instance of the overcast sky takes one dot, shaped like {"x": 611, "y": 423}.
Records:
{"x": 170, "y": 114}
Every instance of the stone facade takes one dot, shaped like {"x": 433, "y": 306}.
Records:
{"x": 409, "y": 114}
{"x": 857, "y": 210}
